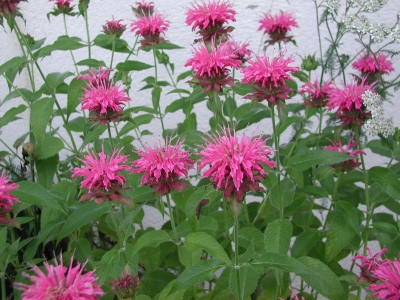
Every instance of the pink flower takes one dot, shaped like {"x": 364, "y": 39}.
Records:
{"x": 126, "y": 286}
{"x": 368, "y": 65}
{"x": 102, "y": 98}
{"x": 114, "y": 28}
{"x": 151, "y": 28}
{"x": 143, "y": 9}
{"x": 101, "y": 177}
{"x": 241, "y": 50}
{"x": 163, "y": 167}
{"x": 369, "y": 265}
{"x": 349, "y": 103}
{"x": 7, "y": 200}
{"x": 9, "y": 6}
{"x": 350, "y": 164}
{"x": 212, "y": 65}
{"x": 235, "y": 166}
{"x": 62, "y": 6}
{"x": 61, "y": 283}
{"x": 277, "y": 26}
{"x": 317, "y": 95}
{"x": 268, "y": 78}
{"x": 209, "y": 16}
{"x": 389, "y": 276}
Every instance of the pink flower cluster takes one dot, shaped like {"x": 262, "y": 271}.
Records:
{"x": 348, "y": 102}
{"x": 317, "y": 95}
{"x": 62, "y": 6}
{"x": 372, "y": 66}
{"x": 102, "y": 98}
{"x": 7, "y": 200}
{"x": 149, "y": 24}
{"x": 61, "y": 283}
{"x": 9, "y": 6}
{"x": 163, "y": 167}
{"x": 236, "y": 167}
{"x": 210, "y": 17}
{"x": 126, "y": 286}
{"x": 383, "y": 275}
{"x": 114, "y": 28}
{"x": 350, "y": 164}
{"x": 277, "y": 26}
{"x": 268, "y": 78}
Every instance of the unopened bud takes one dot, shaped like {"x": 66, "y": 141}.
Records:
{"x": 309, "y": 63}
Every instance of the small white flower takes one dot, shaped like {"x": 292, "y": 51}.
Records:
{"x": 355, "y": 3}
{"x": 374, "y": 5}
{"x": 333, "y": 5}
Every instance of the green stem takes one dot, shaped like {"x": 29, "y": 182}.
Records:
{"x": 318, "y": 30}
{"x": 155, "y": 65}
{"x": 112, "y": 52}
{"x": 116, "y": 228}
{"x": 30, "y": 73}
{"x": 109, "y": 135}
{"x": 260, "y": 209}
{"x": 236, "y": 238}
{"x": 133, "y": 48}
{"x": 171, "y": 216}
{"x": 276, "y": 143}
{"x": 117, "y": 132}
{"x": 70, "y": 51}
{"x": 335, "y": 43}
{"x": 158, "y": 109}
{"x": 87, "y": 31}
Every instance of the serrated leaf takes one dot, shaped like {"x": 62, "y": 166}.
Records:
{"x": 305, "y": 241}
{"x": 84, "y": 214}
{"x": 109, "y": 266}
{"x": 46, "y": 169}
{"x": 34, "y": 193}
{"x": 201, "y": 240}
{"x": 105, "y": 42}
{"x": 167, "y": 46}
{"x": 386, "y": 227}
{"x": 11, "y": 115}
{"x": 387, "y": 180}
{"x": 164, "y": 295}
{"x": 316, "y": 157}
{"x": 243, "y": 281}
{"x": 63, "y": 43}
{"x": 14, "y": 63}
{"x": 151, "y": 239}
{"x": 44, "y": 109}
{"x": 56, "y": 78}
{"x": 74, "y": 96}
{"x": 188, "y": 258}
{"x": 91, "y": 63}
{"x": 23, "y": 93}
{"x": 184, "y": 75}
{"x": 132, "y": 65}
{"x": 50, "y": 146}
{"x": 277, "y": 236}
{"x": 286, "y": 195}
{"x": 155, "y": 97}
{"x": 199, "y": 272}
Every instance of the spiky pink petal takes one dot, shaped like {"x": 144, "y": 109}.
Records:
{"x": 151, "y": 28}
{"x": 277, "y": 26}
{"x": 7, "y": 200}
{"x": 388, "y": 284}
{"x": 317, "y": 95}
{"x": 350, "y": 164}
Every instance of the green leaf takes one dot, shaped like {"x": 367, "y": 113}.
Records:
{"x": 44, "y": 109}
{"x": 50, "y": 146}
{"x": 154, "y": 282}
{"x": 305, "y": 241}
{"x": 155, "y": 97}
{"x": 199, "y": 272}
{"x": 74, "y": 96}
{"x": 277, "y": 236}
{"x": 34, "y": 193}
{"x": 109, "y": 267}
{"x": 11, "y": 114}
{"x": 385, "y": 226}
{"x": 188, "y": 258}
{"x": 316, "y": 157}
{"x": 46, "y": 169}
{"x": 84, "y": 214}
{"x": 132, "y": 65}
{"x": 63, "y": 43}
{"x": 91, "y": 63}
{"x": 105, "y": 42}
{"x": 288, "y": 190}
{"x": 167, "y": 46}
{"x": 166, "y": 291}
{"x": 387, "y": 180}
{"x": 151, "y": 239}
{"x": 243, "y": 281}
{"x": 23, "y": 93}
{"x": 55, "y": 79}
{"x": 339, "y": 235}
{"x": 184, "y": 75}
{"x": 14, "y": 63}
{"x": 201, "y": 240}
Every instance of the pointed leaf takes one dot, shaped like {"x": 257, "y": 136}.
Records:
{"x": 316, "y": 157}
{"x": 305, "y": 241}
{"x": 92, "y": 63}
{"x": 132, "y": 65}
{"x": 50, "y": 146}
{"x": 11, "y": 115}
{"x": 387, "y": 179}
{"x": 44, "y": 109}
{"x": 63, "y": 43}
{"x": 46, "y": 169}
{"x": 55, "y": 79}
{"x": 201, "y": 240}
{"x": 288, "y": 190}
{"x": 151, "y": 239}
{"x": 14, "y": 63}
{"x": 277, "y": 236}
{"x": 75, "y": 92}
{"x": 243, "y": 281}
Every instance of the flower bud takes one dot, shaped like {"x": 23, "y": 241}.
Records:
{"x": 309, "y": 63}
{"x": 126, "y": 286}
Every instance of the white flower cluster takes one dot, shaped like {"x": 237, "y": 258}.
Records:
{"x": 355, "y": 3}
{"x": 356, "y": 24}
{"x": 333, "y": 5}
{"x": 378, "y": 124}
{"x": 396, "y": 34}
{"x": 374, "y": 5}
{"x": 378, "y": 31}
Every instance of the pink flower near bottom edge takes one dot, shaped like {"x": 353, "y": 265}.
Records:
{"x": 7, "y": 200}
{"x": 388, "y": 286}
{"x": 61, "y": 283}
{"x": 369, "y": 265}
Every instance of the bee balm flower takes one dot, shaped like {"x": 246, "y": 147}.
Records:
{"x": 369, "y": 265}
{"x": 371, "y": 66}
{"x": 163, "y": 167}
{"x": 114, "y": 28}
{"x": 151, "y": 27}
{"x": 277, "y": 26}
{"x": 317, "y": 95}
{"x": 60, "y": 282}
{"x": 7, "y": 200}
{"x": 388, "y": 285}
{"x": 9, "y": 6}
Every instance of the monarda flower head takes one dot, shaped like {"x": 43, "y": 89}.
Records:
{"x": 212, "y": 66}
{"x": 151, "y": 28}
{"x": 350, "y": 164}
{"x": 143, "y": 9}
{"x": 235, "y": 166}
{"x": 102, "y": 98}
{"x": 209, "y": 16}
{"x": 163, "y": 167}
{"x": 388, "y": 285}
{"x": 114, "y": 28}
{"x": 126, "y": 286}
{"x": 61, "y": 283}
{"x": 371, "y": 66}
{"x": 315, "y": 94}
{"x": 348, "y": 102}
{"x": 241, "y": 50}
{"x": 102, "y": 178}
{"x": 62, "y": 6}
{"x": 268, "y": 78}
{"x": 277, "y": 26}
{"x": 7, "y": 7}
{"x": 7, "y": 200}
{"x": 369, "y": 265}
